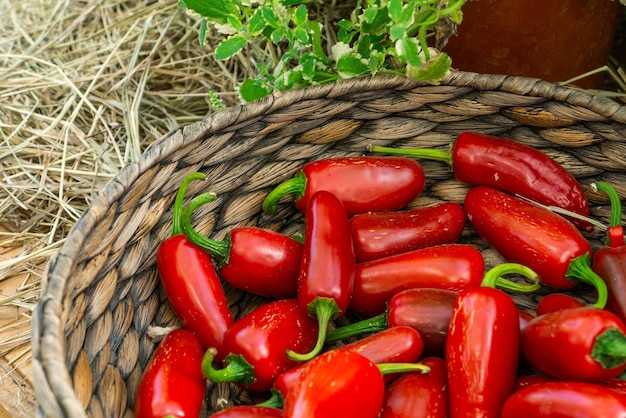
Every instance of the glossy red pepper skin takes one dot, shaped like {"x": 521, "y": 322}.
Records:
{"x": 394, "y": 345}
{"x": 532, "y": 236}
{"x": 328, "y": 264}
{"x": 564, "y": 399}
{"x": 194, "y": 290}
{"x": 248, "y": 411}
{"x": 610, "y": 263}
{"x": 484, "y": 333}
{"x": 562, "y": 344}
{"x": 447, "y": 266}
{"x": 427, "y": 310}
{"x": 263, "y": 262}
{"x": 557, "y": 301}
{"x": 382, "y": 234}
{"x": 484, "y": 160}
{"x": 363, "y": 184}
{"x": 418, "y": 394}
{"x": 172, "y": 383}
{"x": 338, "y": 383}
{"x": 261, "y": 338}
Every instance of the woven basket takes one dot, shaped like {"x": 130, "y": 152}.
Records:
{"x": 101, "y": 294}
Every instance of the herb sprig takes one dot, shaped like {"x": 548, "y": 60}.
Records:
{"x": 380, "y": 36}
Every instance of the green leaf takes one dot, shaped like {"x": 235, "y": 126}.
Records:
{"x": 229, "y": 47}
{"x": 408, "y": 50}
{"x": 270, "y": 17}
{"x": 350, "y": 65}
{"x": 369, "y": 14}
{"x": 277, "y": 35}
{"x": 251, "y": 90}
{"x": 203, "y": 33}
{"x": 256, "y": 23}
{"x": 378, "y": 24}
{"x": 214, "y": 10}
{"x": 395, "y": 10}
{"x": 301, "y": 15}
{"x": 397, "y": 31}
{"x": 434, "y": 70}
{"x": 302, "y": 35}
{"x": 288, "y": 3}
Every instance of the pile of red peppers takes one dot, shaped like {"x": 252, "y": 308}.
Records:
{"x": 438, "y": 334}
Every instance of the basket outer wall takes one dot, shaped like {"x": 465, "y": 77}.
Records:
{"x": 100, "y": 292}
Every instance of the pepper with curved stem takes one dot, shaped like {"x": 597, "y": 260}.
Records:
{"x": 610, "y": 260}
{"x": 479, "y": 159}
{"x": 256, "y": 260}
{"x": 328, "y": 263}
{"x": 189, "y": 279}
{"x": 535, "y": 237}
{"x": 363, "y": 184}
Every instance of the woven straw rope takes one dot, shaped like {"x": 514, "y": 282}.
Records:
{"x": 101, "y": 292}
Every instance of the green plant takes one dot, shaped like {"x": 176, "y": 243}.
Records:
{"x": 380, "y": 36}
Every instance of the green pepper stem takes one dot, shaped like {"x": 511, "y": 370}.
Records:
{"x": 388, "y": 368}
{"x": 293, "y": 186}
{"x": 612, "y": 239}
{"x": 609, "y": 348}
{"x": 178, "y": 201}
{"x": 580, "y": 269}
{"x": 426, "y": 153}
{"x": 276, "y": 400}
{"x": 366, "y": 326}
{"x": 493, "y": 278}
{"x": 218, "y": 249}
{"x": 325, "y": 309}
{"x": 236, "y": 368}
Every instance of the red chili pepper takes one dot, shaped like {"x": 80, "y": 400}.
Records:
{"x": 428, "y": 310}
{"x": 382, "y": 234}
{"x": 565, "y": 399}
{"x": 418, "y": 394}
{"x": 446, "y": 266}
{"x": 583, "y": 344}
{"x": 327, "y": 272}
{"x": 254, "y": 346}
{"x": 341, "y": 383}
{"x": 363, "y": 184}
{"x": 535, "y": 237}
{"x": 557, "y": 301}
{"x": 249, "y": 411}
{"x": 394, "y": 345}
{"x": 172, "y": 384}
{"x": 190, "y": 281}
{"x": 482, "y": 351}
{"x": 479, "y": 159}
{"x": 257, "y": 260}
{"x": 610, "y": 261}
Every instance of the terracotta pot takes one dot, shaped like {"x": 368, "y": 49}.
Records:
{"x": 555, "y": 40}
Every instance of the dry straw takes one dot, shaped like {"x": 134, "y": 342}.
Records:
{"x": 86, "y": 87}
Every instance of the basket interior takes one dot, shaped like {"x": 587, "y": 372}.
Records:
{"x": 102, "y": 296}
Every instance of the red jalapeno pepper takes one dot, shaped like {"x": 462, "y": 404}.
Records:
{"x": 172, "y": 384}
{"x": 254, "y": 347}
{"x": 418, "y": 394}
{"x": 428, "y": 310}
{"x": 327, "y": 271}
{"x": 583, "y": 344}
{"x": 504, "y": 164}
{"x": 446, "y": 266}
{"x": 482, "y": 351}
{"x": 190, "y": 281}
{"x": 610, "y": 260}
{"x": 535, "y": 237}
{"x": 341, "y": 383}
{"x": 381, "y": 234}
{"x": 256, "y": 260}
{"x": 363, "y": 184}
{"x": 555, "y": 302}
{"x": 565, "y": 399}
{"x": 393, "y": 345}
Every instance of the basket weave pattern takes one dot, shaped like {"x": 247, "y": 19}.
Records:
{"x": 101, "y": 292}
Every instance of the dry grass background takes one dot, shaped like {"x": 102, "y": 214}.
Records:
{"x": 85, "y": 86}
